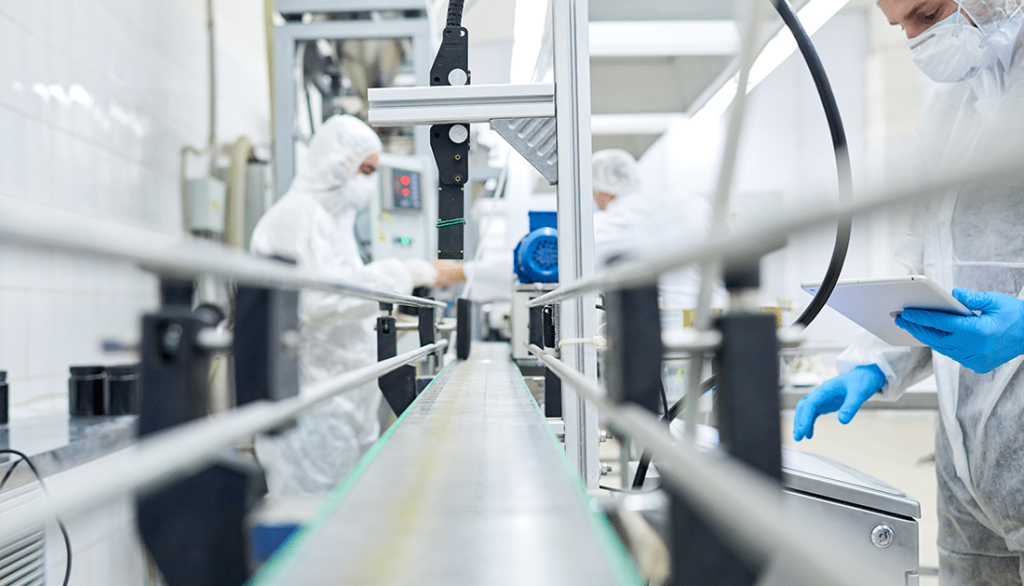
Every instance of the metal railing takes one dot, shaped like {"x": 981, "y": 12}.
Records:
{"x": 172, "y": 454}
{"x": 169, "y": 256}
{"x": 749, "y": 245}
{"x": 745, "y": 508}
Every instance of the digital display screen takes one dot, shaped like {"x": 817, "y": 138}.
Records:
{"x": 406, "y": 193}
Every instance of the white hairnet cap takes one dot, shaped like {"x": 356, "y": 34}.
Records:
{"x": 337, "y": 150}
{"x": 999, "y": 21}
{"x": 989, "y": 14}
{"x": 615, "y": 172}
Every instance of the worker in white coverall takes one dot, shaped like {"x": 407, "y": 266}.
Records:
{"x": 631, "y": 220}
{"x": 313, "y": 224}
{"x": 970, "y": 241}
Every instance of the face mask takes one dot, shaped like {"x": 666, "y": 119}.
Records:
{"x": 359, "y": 191}
{"x": 952, "y": 50}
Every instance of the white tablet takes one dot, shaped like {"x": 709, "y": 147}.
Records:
{"x": 874, "y": 304}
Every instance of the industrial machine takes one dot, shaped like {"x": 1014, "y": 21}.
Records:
{"x": 400, "y": 224}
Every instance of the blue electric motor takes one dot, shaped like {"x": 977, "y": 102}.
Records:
{"x": 537, "y": 253}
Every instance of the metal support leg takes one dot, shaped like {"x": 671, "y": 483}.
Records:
{"x": 463, "y": 310}
{"x": 747, "y": 398}
{"x": 398, "y": 386}
{"x": 633, "y": 359}
{"x": 748, "y": 413}
{"x": 266, "y": 344}
{"x": 193, "y": 527}
{"x": 552, "y": 394}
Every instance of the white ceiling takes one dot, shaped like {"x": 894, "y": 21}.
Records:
{"x": 645, "y": 77}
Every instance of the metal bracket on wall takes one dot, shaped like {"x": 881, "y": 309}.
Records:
{"x": 536, "y": 139}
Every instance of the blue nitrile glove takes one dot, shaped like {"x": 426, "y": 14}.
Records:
{"x": 844, "y": 393}
{"x": 978, "y": 342}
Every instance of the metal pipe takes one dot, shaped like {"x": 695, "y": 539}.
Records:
{"x": 177, "y": 452}
{"x": 711, "y": 269}
{"x": 745, "y": 508}
{"x": 753, "y": 243}
{"x": 171, "y": 256}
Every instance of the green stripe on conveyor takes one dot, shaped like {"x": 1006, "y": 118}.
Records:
{"x": 615, "y": 550}
{"x": 468, "y": 488}
{"x": 276, "y": 567}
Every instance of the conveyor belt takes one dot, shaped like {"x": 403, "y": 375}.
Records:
{"x": 469, "y": 488}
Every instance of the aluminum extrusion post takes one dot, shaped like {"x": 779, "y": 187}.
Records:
{"x": 577, "y": 317}
{"x": 450, "y": 142}
{"x": 193, "y": 528}
{"x": 398, "y": 386}
{"x": 633, "y": 360}
{"x": 464, "y": 330}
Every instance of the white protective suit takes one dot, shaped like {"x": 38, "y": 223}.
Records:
{"x": 636, "y": 221}
{"x": 973, "y": 238}
{"x": 313, "y": 224}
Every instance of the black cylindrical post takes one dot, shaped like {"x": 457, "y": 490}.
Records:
{"x": 465, "y": 328}
{"x": 5, "y": 398}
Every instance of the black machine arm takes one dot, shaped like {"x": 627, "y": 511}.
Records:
{"x": 450, "y": 142}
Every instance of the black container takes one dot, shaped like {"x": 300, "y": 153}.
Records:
{"x": 5, "y": 398}
{"x": 85, "y": 390}
{"x": 122, "y": 396}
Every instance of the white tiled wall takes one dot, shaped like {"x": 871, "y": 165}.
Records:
{"x": 97, "y": 99}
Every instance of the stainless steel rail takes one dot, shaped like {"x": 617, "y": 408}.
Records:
{"x": 751, "y": 244}
{"x": 175, "y": 453}
{"x": 169, "y": 256}
{"x": 744, "y": 507}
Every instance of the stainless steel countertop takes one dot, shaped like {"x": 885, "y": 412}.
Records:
{"x": 58, "y": 442}
{"x": 469, "y": 488}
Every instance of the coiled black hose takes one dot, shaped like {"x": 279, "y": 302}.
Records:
{"x": 845, "y": 173}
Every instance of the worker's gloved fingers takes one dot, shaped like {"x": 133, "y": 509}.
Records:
{"x": 803, "y": 420}
{"x": 976, "y": 300}
{"x": 861, "y": 384}
{"x": 851, "y": 405}
{"x": 825, "y": 399}
{"x": 936, "y": 320}
{"x": 927, "y": 336}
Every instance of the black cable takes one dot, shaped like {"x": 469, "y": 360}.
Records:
{"x": 664, "y": 403}
{"x": 8, "y": 475}
{"x": 455, "y": 12}
{"x": 626, "y": 490}
{"x": 839, "y": 145}
{"x": 671, "y": 413}
{"x": 845, "y": 173}
{"x": 60, "y": 524}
